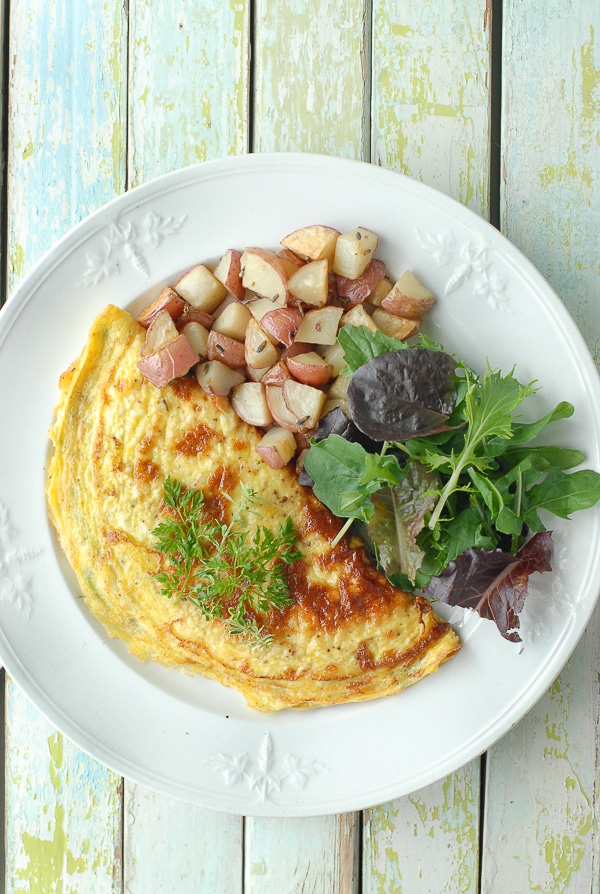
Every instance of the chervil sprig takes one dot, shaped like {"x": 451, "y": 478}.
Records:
{"x": 227, "y": 572}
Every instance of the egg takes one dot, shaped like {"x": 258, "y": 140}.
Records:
{"x": 347, "y": 634}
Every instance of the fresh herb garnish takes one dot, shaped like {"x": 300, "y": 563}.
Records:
{"x": 462, "y": 497}
{"x": 227, "y": 572}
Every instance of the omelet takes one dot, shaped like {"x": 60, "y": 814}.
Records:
{"x": 348, "y": 635}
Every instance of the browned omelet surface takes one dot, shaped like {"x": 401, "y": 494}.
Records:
{"x": 348, "y": 636}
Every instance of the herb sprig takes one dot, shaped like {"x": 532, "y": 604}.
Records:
{"x": 223, "y": 569}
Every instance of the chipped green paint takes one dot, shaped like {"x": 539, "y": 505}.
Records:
{"x": 431, "y": 98}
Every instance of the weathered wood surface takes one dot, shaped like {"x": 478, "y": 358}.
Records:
{"x": 104, "y": 96}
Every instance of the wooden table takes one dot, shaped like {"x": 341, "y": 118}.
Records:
{"x": 494, "y": 103}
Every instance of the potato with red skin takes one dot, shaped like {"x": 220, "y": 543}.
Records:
{"x": 229, "y": 272}
{"x": 217, "y": 379}
{"x": 250, "y": 403}
{"x": 168, "y": 362}
{"x": 277, "y": 447}
{"x": 265, "y": 274}
{"x": 229, "y": 351}
{"x": 168, "y": 300}
{"x": 282, "y": 323}
{"x": 161, "y": 331}
{"x": 260, "y": 350}
{"x": 409, "y": 298}
{"x": 320, "y": 326}
{"x": 304, "y": 402}
{"x": 310, "y": 368}
{"x": 351, "y": 292}
{"x": 201, "y": 288}
{"x": 277, "y": 374}
{"x": 313, "y": 242}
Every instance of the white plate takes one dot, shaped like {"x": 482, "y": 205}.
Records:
{"x": 194, "y": 739}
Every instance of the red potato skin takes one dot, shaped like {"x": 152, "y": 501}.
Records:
{"x": 192, "y": 315}
{"x": 271, "y": 456}
{"x": 168, "y": 300}
{"x": 282, "y": 323}
{"x": 351, "y": 292}
{"x": 232, "y": 280}
{"x": 298, "y": 347}
{"x": 277, "y": 374}
{"x": 229, "y": 351}
{"x": 170, "y": 362}
{"x": 310, "y": 374}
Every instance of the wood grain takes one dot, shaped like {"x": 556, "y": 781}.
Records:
{"x": 188, "y": 84}
{"x": 543, "y": 777}
{"x": 66, "y": 158}
{"x": 431, "y": 95}
{"x": 311, "y": 77}
{"x": 317, "y": 855}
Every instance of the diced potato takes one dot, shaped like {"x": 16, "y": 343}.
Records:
{"x": 320, "y": 326}
{"x": 233, "y": 320}
{"x": 250, "y": 403}
{"x": 277, "y": 447}
{"x": 260, "y": 350}
{"x": 168, "y": 362}
{"x": 266, "y": 274}
{"x": 358, "y": 316}
{"x": 168, "y": 300}
{"x": 354, "y": 251}
{"x": 161, "y": 331}
{"x": 216, "y": 378}
{"x": 313, "y": 242}
{"x": 310, "y": 368}
{"x": 201, "y": 288}
{"x": 229, "y": 272}
{"x": 409, "y": 298}
{"x": 394, "y": 326}
{"x": 226, "y": 349}
{"x": 197, "y": 335}
{"x": 310, "y": 284}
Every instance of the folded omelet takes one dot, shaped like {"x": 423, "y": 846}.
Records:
{"x": 348, "y": 635}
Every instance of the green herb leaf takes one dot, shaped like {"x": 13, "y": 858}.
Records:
{"x": 227, "y": 575}
{"x": 345, "y": 475}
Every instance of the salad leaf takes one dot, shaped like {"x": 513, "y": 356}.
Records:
{"x": 360, "y": 345}
{"x": 398, "y": 519}
{"x": 488, "y": 411}
{"x": 345, "y": 475}
{"x": 493, "y": 583}
{"x": 403, "y": 394}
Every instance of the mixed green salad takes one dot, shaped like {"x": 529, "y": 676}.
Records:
{"x": 447, "y": 482}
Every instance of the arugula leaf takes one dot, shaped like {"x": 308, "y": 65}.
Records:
{"x": 563, "y": 494}
{"x": 488, "y": 410}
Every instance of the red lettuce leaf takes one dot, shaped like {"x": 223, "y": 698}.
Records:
{"x": 492, "y": 582}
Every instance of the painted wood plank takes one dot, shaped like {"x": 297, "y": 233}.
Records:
{"x": 311, "y": 77}
{"x": 431, "y": 106}
{"x": 200, "y": 851}
{"x": 188, "y": 100}
{"x": 66, "y": 127}
{"x": 63, "y": 810}
{"x": 426, "y": 842}
{"x": 317, "y": 855}
{"x": 66, "y": 157}
{"x": 544, "y": 775}
{"x": 188, "y": 83}
{"x": 431, "y": 94}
